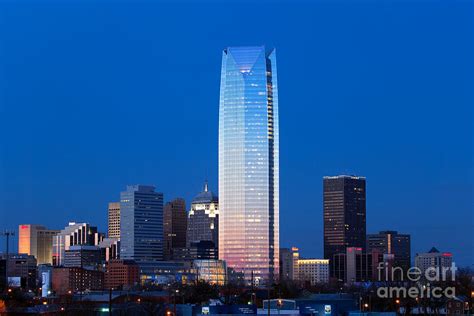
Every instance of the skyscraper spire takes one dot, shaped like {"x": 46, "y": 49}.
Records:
{"x": 205, "y": 186}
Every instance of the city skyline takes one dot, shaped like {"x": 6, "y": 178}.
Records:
{"x": 416, "y": 156}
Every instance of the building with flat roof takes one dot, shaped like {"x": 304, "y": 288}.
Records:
{"x": 141, "y": 224}
{"x": 121, "y": 274}
{"x": 211, "y": 271}
{"x": 113, "y": 220}
{"x": 36, "y": 240}
{"x": 314, "y": 271}
{"x": 75, "y": 279}
{"x": 175, "y": 219}
{"x": 344, "y": 209}
{"x": 393, "y": 243}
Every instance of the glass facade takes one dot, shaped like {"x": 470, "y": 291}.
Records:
{"x": 210, "y": 271}
{"x": 344, "y": 207}
{"x": 249, "y": 163}
{"x": 141, "y": 224}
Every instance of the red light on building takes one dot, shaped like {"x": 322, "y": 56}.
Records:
{"x": 447, "y": 254}
{"x": 24, "y": 227}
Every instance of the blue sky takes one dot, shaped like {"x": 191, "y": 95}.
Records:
{"x": 98, "y": 95}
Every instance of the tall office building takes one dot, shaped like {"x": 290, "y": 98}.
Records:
{"x": 289, "y": 263}
{"x": 249, "y": 163}
{"x": 391, "y": 242}
{"x": 203, "y": 218}
{"x": 75, "y": 234}
{"x": 141, "y": 224}
{"x": 113, "y": 222}
{"x": 174, "y": 226}
{"x": 344, "y": 214}
{"x": 36, "y": 240}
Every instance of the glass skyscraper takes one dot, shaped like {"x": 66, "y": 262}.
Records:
{"x": 141, "y": 224}
{"x": 249, "y": 163}
{"x": 344, "y": 214}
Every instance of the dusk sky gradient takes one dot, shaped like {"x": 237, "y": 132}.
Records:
{"x": 98, "y": 95}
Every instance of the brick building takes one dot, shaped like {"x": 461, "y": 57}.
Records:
{"x": 76, "y": 280}
{"x": 121, "y": 274}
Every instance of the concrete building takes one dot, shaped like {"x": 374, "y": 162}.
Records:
{"x": 36, "y": 240}
{"x": 113, "y": 220}
{"x": 432, "y": 261}
{"x": 74, "y": 234}
{"x": 175, "y": 226}
{"x": 110, "y": 248}
{"x": 314, "y": 271}
{"x": 141, "y": 224}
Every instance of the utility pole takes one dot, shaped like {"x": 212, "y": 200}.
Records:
{"x": 110, "y": 301}
{"x": 7, "y": 234}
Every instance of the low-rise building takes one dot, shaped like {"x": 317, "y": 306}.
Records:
{"x": 70, "y": 280}
{"x": 121, "y": 274}
{"x": 20, "y": 271}
{"x": 314, "y": 271}
{"x": 83, "y": 256}
{"x": 432, "y": 261}
{"x": 211, "y": 271}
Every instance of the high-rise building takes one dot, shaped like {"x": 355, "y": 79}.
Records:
{"x": 141, "y": 224}
{"x": 113, "y": 220}
{"x": 36, "y": 240}
{"x": 344, "y": 214}
{"x": 75, "y": 234}
{"x": 203, "y": 218}
{"x": 249, "y": 163}
{"x": 391, "y": 242}
{"x": 175, "y": 220}
{"x": 289, "y": 263}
